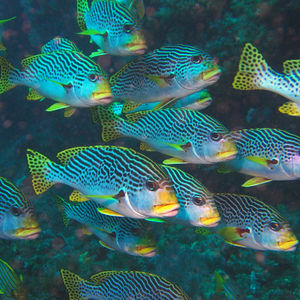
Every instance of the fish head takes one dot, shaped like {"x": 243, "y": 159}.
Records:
{"x": 91, "y": 86}
{"x": 20, "y": 223}
{"x": 136, "y": 240}
{"x": 214, "y": 144}
{"x": 195, "y": 69}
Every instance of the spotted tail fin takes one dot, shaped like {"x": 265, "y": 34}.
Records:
{"x": 63, "y": 207}
{"x": 73, "y": 284}
{"x": 253, "y": 70}
{"x": 5, "y": 71}
{"x": 82, "y": 9}
{"x": 42, "y": 170}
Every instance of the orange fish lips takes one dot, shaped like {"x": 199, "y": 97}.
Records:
{"x": 166, "y": 210}
{"x": 28, "y": 233}
{"x": 146, "y": 251}
{"x": 210, "y": 221}
{"x": 289, "y": 245}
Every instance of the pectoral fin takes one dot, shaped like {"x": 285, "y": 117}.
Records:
{"x": 231, "y": 236}
{"x": 165, "y": 104}
{"x": 99, "y": 52}
{"x": 108, "y": 212}
{"x": 259, "y": 160}
{"x": 57, "y": 106}
{"x": 174, "y": 161}
{"x": 175, "y": 146}
{"x": 93, "y": 32}
{"x": 156, "y": 220}
{"x": 255, "y": 181}
{"x": 103, "y": 244}
{"x": 161, "y": 81}
{"x": 105, "y": 197}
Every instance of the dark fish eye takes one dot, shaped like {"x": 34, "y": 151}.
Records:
{"x": 198, "y": 201}
{"x": 274, "y": 161}
{"x": 128, "y": 28}
{"x": 93, "y": 77}
{"x": 152, "y": 186}
{"x": 275, "y": 226}
{"x": 16, "y": 211}
{"x": 197, "y": 59}
{"x": 215, "y": 136}
{"x": 113, "y": 234}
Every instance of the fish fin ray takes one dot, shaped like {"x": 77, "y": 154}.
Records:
{"x": 100, "y": 277}
{"x": 290, "y": 108}
{"x": 5, "y": 70}
{"x": 174, "y": 161}
{"x": 255, "y": 181}
{"x": 73, "y": 284}
{"x": 108, "y": 212}
{"x": 57, "y": 106}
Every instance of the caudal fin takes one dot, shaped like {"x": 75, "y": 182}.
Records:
{"x": 73, "y": 284}
{"x": 109, "y": 122}
{"x": 5, "y": 69}
{"x": 82, "y": 9}
{"x": 252, "y": 70}
{"x": 40, "y": 169}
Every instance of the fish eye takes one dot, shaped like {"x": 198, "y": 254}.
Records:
{"x": 93, "y": 77}
{"x": 215, "y": 136}
{"x": 275, "y": 226}
{"x": 16, "y": 211}
{"x": 113, "y": 234}
{"x": 197, "y": 59}
{"x": 128, "y": 28}
{"x": 198, "y": 201}
{"x": 152, "y": 186}
{"x": 274, "y": 161}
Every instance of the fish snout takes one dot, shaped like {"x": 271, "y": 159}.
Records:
{"x": 288, "y": 242}
{"x": 211, "y": 74}
{"x": 166, "y": 204}
{"x": 211, "y": 219}
{"x": 137, "y": 45}
{"x": 146, "y": 251}
{"x": 228, "y": 150}
{"x": 102, "y": 93}
{"x": 30, "y": 230}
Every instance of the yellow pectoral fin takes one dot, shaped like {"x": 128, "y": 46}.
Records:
{"x": 92, "y": 32}
{"x": 165, "y": 104}
{"x": 108, "y": 212}
{"x": 156, "y": 220}
{"x": 175, "y": 146}
{"x": 230, "y": 235}
{"x": 105, "y": 197}
{"x": 99, "y": 52}
{"x": 103, "y": 244}
{"x": 158, "y": 80}
{"x": 259, "y": 160}
{"x": 290, "y": 108}
{"x": 235, "y": 244}
{"x": 174, "y": 161}
{"x": 255, "y": 181}
{"x": 57, "y": 106}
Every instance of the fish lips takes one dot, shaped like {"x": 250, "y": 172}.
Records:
{"x": 289, "y": 245}
{"x": 209, "y": 221}
{"x": 28, "y": 233}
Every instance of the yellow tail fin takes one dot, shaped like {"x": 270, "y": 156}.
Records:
{"x": 38, "y": 166}
{"x": 73, "y": 283}
{"x": 5, "y": 69}
{"x": 252, "y": 68}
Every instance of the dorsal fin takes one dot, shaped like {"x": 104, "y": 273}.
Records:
{"x": 290, "y": 66}
{"x": 100, "y": 277}
{"x": 134, "y": 117}
{"x": 82, "y": 9}
{"x": 114, "y": 78}
{"x": 29, "y": 60}
{"x": 65, "y": 155}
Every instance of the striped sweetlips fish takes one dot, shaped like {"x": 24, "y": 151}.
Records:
{"x": 68, "y": 77}
{"x": 122, "y": 285}
{"x": 59, "y": 44}
{"x": 168, "y": 73}
{"x": 197, "y": 205}
{"x": 255, "y": 74}
{"x": 112, "y": 25}
{"x": 120, "y": 179}
{"x": 17, "y": 216}
{"x": 121, "y": 234}
{"x": 250, "y": 223}
{"x": 268, "y": 154}
{"x": 11, "y": 285}
{"x": 189, "y": 136}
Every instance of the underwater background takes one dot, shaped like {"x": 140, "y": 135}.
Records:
{"x": 221, "y": 27}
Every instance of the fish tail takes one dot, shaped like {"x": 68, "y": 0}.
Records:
{"x": 73, "y": 283}
{"x": 110, "y": 123}
{"x": 6, "y": 70}
{"x": 43, "y": 171}
{"x": 82, "y": 9}
{"x": 253, "y": 70}
{"x": 63, "y": 207}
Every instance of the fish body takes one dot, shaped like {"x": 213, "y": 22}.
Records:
{"x": 59, "y": 44}
{"x": 112, "y": 26}
{"x": 11, "y": 286}
{"x": 255, "y": 74}
{"x": 189, "y": 136}
{"x": 197, "y": 207}
{"x": 268, "y": 154}
{"x": 17, "y": 216}
{"x": 118, "y": 178}
{"x": 68, "y": 77}
{"x": 122, "y": 285}
{"x": 170, "y": 72}
{"x": 248, "y": 222}
{"x": 121, "y": 234}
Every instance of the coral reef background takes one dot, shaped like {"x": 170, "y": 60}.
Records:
{"x": 221, "y": 27}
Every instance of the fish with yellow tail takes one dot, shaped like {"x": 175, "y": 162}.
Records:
{"x": 17, "y": 216}
{"x": 165, "y": 75}
{"x": 125, "y": 235}
{"x": 11, "y": 285}
{"x": 265, "y": 153}
{"x": 67, "y": 77}
{"x": 122, "y": 180}
{"x": 186, "y": 135}
{"x": 2, "y": 47}
{"x": 250, "y": 223}
{"x": 255, "y": 74}
{"x": 121, "y": 285}
{"x": 113, "y": 25}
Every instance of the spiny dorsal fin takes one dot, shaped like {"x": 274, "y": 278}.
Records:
{"x": 30, "y": 59}
{"x": 290, "y": 66}
{"x": 100, "y": 277}
{"x": 114, "y": 78}
{"x": 65, "y": 155}
{"x": 82, "y": 9}
{"x": 134, "y": 117}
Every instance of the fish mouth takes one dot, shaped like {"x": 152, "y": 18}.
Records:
{"x": 102, "y": 97}
{"x": 210, "y": 221}
{"x": 146, "y": 251}
{"x": 211, "y": 75}
{"x": 166, "y": 210}
{"x": 29, "y": 233}
{"x": 227, "y": 155}
{"x": 137, "y": 48}
{"x": 289, "y": 245}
